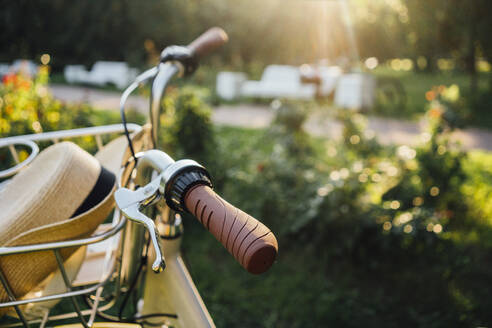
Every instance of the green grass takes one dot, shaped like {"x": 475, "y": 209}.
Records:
{"x": 478, "y": 187}
{"x": 417, "y": 84}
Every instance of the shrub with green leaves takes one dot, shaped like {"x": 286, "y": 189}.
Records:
{"x": 187, "y": 126}
{"x": 27, "y": 106}
{"x": 359, "y": 228}
{"x": 429, "y": 191}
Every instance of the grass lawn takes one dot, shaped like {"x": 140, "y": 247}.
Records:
{"x": 417, "y": 84}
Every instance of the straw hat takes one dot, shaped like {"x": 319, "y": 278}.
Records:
{"x": 63, "y": 194}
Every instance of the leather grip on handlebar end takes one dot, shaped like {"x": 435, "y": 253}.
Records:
{"x": 251, "y": 243}
{"x": 208, "y": 42}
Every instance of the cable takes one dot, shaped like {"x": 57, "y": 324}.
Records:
{"x": 123, "y": 119}
{"x": 142, "y": 318}
{"x": 148, "y": 74}
{"x": 127, "y": 133}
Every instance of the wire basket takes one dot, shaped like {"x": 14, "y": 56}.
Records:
{"x": 107, "y": 240}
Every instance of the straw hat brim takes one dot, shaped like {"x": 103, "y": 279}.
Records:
{"x": 26, "y": 271}
{"x": 42, "y": 204}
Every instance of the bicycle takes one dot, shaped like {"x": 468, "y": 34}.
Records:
{"x": 153, "y": 191}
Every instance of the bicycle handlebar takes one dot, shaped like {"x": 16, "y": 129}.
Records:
{"x": 208, "y": 42}
{"x": 251, "y": 243}
{"x": 196, "y": 50}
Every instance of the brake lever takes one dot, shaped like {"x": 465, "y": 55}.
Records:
{"x": 130, "y": 202}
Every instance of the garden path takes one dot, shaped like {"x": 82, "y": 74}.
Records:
{"x": 388, "y": 131}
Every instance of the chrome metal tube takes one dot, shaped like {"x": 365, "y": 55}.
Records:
{"x": 151, "y": 160}
{"x": 62, "y": 134}
{"x": 161, "y": 80}
{"x": 84, "y": 291}
{"x": 34, "y": 152}
{"x": 150, "y": 163}
{"x": 61, "y": 244}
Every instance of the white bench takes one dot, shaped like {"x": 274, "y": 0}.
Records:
{"x": 355, "y": 91}
{"x": 229, "y": 85}
{"x": 102, "y": 73}
{"x": 277, "y": 81}
{"x": 4, "y": 69}
{"x": 24, "y": 66}
{"x": 352, "y": 90}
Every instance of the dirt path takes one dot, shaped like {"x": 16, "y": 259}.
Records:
{"x": 388, "y": 131}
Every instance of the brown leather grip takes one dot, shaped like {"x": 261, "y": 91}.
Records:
{"x": 208, "y": 42}
{"x": 251, "y": 243}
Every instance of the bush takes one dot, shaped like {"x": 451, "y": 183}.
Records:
{"x": 358, "y": 229}
{"x": 187, "y": 126}
{"x": 27, "y": 106}
{"x": 429, "y": 191}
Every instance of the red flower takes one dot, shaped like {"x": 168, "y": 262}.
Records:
{"x": 9, "y": 79}
{"x": 430, "y": 95}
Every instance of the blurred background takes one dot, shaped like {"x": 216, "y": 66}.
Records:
{"x": 359, "y": 131}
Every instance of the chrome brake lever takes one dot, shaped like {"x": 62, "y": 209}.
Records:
{"x": 130, "y": 202}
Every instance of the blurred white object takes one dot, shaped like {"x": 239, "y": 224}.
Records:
{"x": 330, "y": 75}
{"x": 279, "y": 81}
{"x": 355, "y": 91}
{"x": 102, "y": 73}
{"x": 75, "y": 73}
{"x": 229, "y": 84}
{"x": 4, "y": 69}
{"x": 24, "y": 66}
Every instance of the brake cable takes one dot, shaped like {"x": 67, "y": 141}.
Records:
{"x": 142, "y": 78}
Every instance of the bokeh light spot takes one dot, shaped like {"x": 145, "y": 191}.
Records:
{"x": 434, "y": 191}
{"x": 437, "y": 228}
{"x": 45, "y": 59}
{"x": 335, "y": 175}
{"x": 418, "y": 201}
{"x": 371, "y": 62}
{"x": 355, "y": 139}
{"x": 387, "y": 226}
